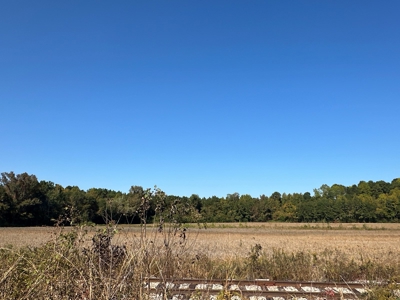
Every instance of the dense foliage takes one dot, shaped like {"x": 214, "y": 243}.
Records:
{"x": 25, "y": 201}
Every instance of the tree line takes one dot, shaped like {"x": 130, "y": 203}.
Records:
{"x": 26, "y": 201}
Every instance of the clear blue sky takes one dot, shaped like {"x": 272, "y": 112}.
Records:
{"x": 201, "y": 97}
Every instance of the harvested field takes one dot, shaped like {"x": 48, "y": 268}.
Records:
{"x": 236, "y": 239}
{"x": 80, "y": 262}
{"x": 222, "y": 242}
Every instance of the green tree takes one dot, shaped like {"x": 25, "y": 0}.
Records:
{"x": 395, "y": 184}
{"x": 106, "y": 202}
{"x": 379, "y": 187}
{"x": 364, "y": 188}
{"x": 130, "y": 206}
{"x": 53, "y": 201}
{"x": 287, "y": 213}
{"x": 5, "y": 202}
{"x": 82, "y": 208}
{"x": 337, "y": 190}
{"x": 366, "y": 211}
{"x": 196, "y": 202}
{"x": 21, "y": 199}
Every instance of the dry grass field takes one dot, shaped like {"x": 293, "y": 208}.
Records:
{"x": 224, "y": 240}
{"x": 81, "y": 263}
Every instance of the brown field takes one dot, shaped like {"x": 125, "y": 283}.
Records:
{"x": 376, "y": 241}
{"x": 79, "y": 263}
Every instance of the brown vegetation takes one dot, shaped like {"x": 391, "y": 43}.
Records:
{"x": 235, "y": 239}
{"x": 111, "y": 262}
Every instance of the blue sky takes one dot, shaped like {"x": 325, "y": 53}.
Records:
{"x": 201, "y": 97}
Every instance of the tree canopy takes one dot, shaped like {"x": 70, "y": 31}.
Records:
{"x": 25, "y": 201}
